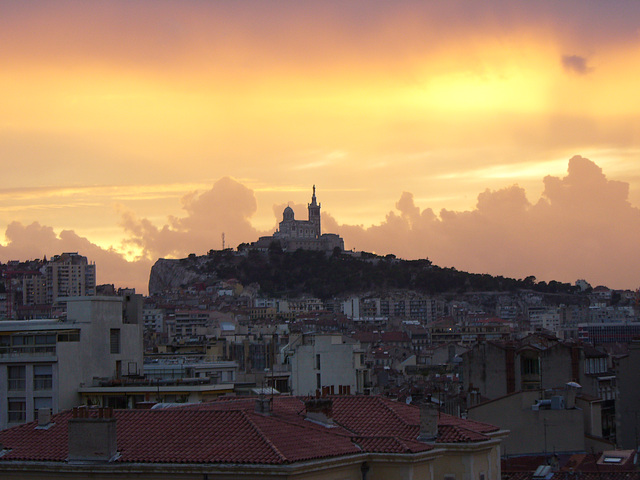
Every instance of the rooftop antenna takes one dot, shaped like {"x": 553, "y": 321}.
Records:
{"x": 222, "y": 240}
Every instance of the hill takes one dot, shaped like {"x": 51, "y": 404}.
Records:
{"x": 283, "y": 274}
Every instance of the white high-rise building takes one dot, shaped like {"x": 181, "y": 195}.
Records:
{"x": 69, "y": 275}
{"x": 326, "y": 361}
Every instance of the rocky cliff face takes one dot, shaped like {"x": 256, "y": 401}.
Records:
{"x": 169, "y": 273}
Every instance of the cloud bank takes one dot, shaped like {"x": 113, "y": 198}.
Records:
{"x": 226, "y": 208}
{"x": 583, "y": 226}
{"x": 27, "y": 242}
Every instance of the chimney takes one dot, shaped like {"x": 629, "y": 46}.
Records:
{"x": 44, "y": 417}
{"x": 92, "y": 435}
{"x": 428, "y": 421}
{"x": 570, "y": 393}
{"x": 320, "y": 410}
{"x": 344, "y": 390}
{"x": 263, "y": 405}
{"x": 473, "y": 398}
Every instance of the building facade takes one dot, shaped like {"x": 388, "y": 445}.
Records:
{"x": 539, "y": 423}
{"x": 326, "y": 361}
{"x": 69, "y": 275}
{"x": 43, "y": 363}
{"x": 494, "y": 369}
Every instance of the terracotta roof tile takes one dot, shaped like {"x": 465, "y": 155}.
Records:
{"x": 395, "y": 337}
{"x": 231, "y": 432}
{"x": 457, "y": 434}
{"x": 574, "y": 475}
{"x": 390, "y": 445}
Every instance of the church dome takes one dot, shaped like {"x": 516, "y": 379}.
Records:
{"x": 288, "y": 213}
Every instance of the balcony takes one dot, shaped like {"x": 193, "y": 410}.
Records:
{"x": 22, "y": 351}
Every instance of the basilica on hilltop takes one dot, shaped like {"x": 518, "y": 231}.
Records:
{"x": 293, "y": 234}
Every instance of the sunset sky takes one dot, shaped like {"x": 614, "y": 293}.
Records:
{"x": 496, "y": 137}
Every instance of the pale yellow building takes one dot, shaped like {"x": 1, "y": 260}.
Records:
{"x": 346, "y": 437}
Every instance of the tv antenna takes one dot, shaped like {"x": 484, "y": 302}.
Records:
{"x": 222, "y": 240}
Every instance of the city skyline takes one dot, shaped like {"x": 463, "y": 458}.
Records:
{"x": 132, "y": 131}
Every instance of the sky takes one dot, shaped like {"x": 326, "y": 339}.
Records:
{"x": 495, "y": 137}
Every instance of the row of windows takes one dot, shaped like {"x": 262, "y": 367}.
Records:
{"x": 38, "y": 340}
{"x": 595, "y": 365}
{"x": 17, "y": 408}
{"x": 22, "y": 340}
{"x": 17, "y": 378}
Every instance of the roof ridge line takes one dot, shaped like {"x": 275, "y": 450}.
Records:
{"x": 349, "y": 432}
{"x": 264, "y": 437}
{"x": 465, "y": 430}
{"x": 401, "y": 442}
{"x": 395, "y": 438}
{"x": 374, "y": 436}
{"x": 393, "y": 412}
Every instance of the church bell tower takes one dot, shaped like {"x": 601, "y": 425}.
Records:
{"x": 314, "y": 213}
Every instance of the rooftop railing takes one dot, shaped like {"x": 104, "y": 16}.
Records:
{"x": 27, "y": 350}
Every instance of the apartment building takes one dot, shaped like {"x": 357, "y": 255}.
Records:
{"x": 69, "y": 275}
{"x": 43, "y": 363}
{"x": 603, "y": 333}
{"x": 326, "y": 360}
{"x": 153, "y": 320}
{"x": 401, "y": 305}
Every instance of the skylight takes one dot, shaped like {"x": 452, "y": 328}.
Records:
{"x": 612, "y": 459}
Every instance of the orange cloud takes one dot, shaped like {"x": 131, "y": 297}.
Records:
{"x": 37, "y": 241}
{"x": 226, "y": 208}
{"x": 582, "y": 226}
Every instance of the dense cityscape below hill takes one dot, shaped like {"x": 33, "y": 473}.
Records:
{"x": 253, "y": 320}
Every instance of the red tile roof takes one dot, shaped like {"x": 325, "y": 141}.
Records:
{"x": 366, "y": 337}
{"x": 364, "y": 415}
{"x": 389, "y": 337}
{"x": 389, "y": 445}
{"x": 231, "y": 432}
{"x": 574, "y": 475}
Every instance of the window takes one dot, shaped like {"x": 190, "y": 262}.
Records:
{"x": 318, "y": 361}
{"x": 22, "y": 340}
{"x": 318, "y": 381}
{"x": 42, "y": 377}
{"x": 69, "y": 337}
{"x": 530, "y": 366}
{"x": 45, "y": 339}
{"x": 16, "y": 375}
{"x": 17, "y": 411}
{"x": 114, "y": 339}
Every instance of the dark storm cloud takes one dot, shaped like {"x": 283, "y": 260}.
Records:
{"x": 576, "y": 64}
